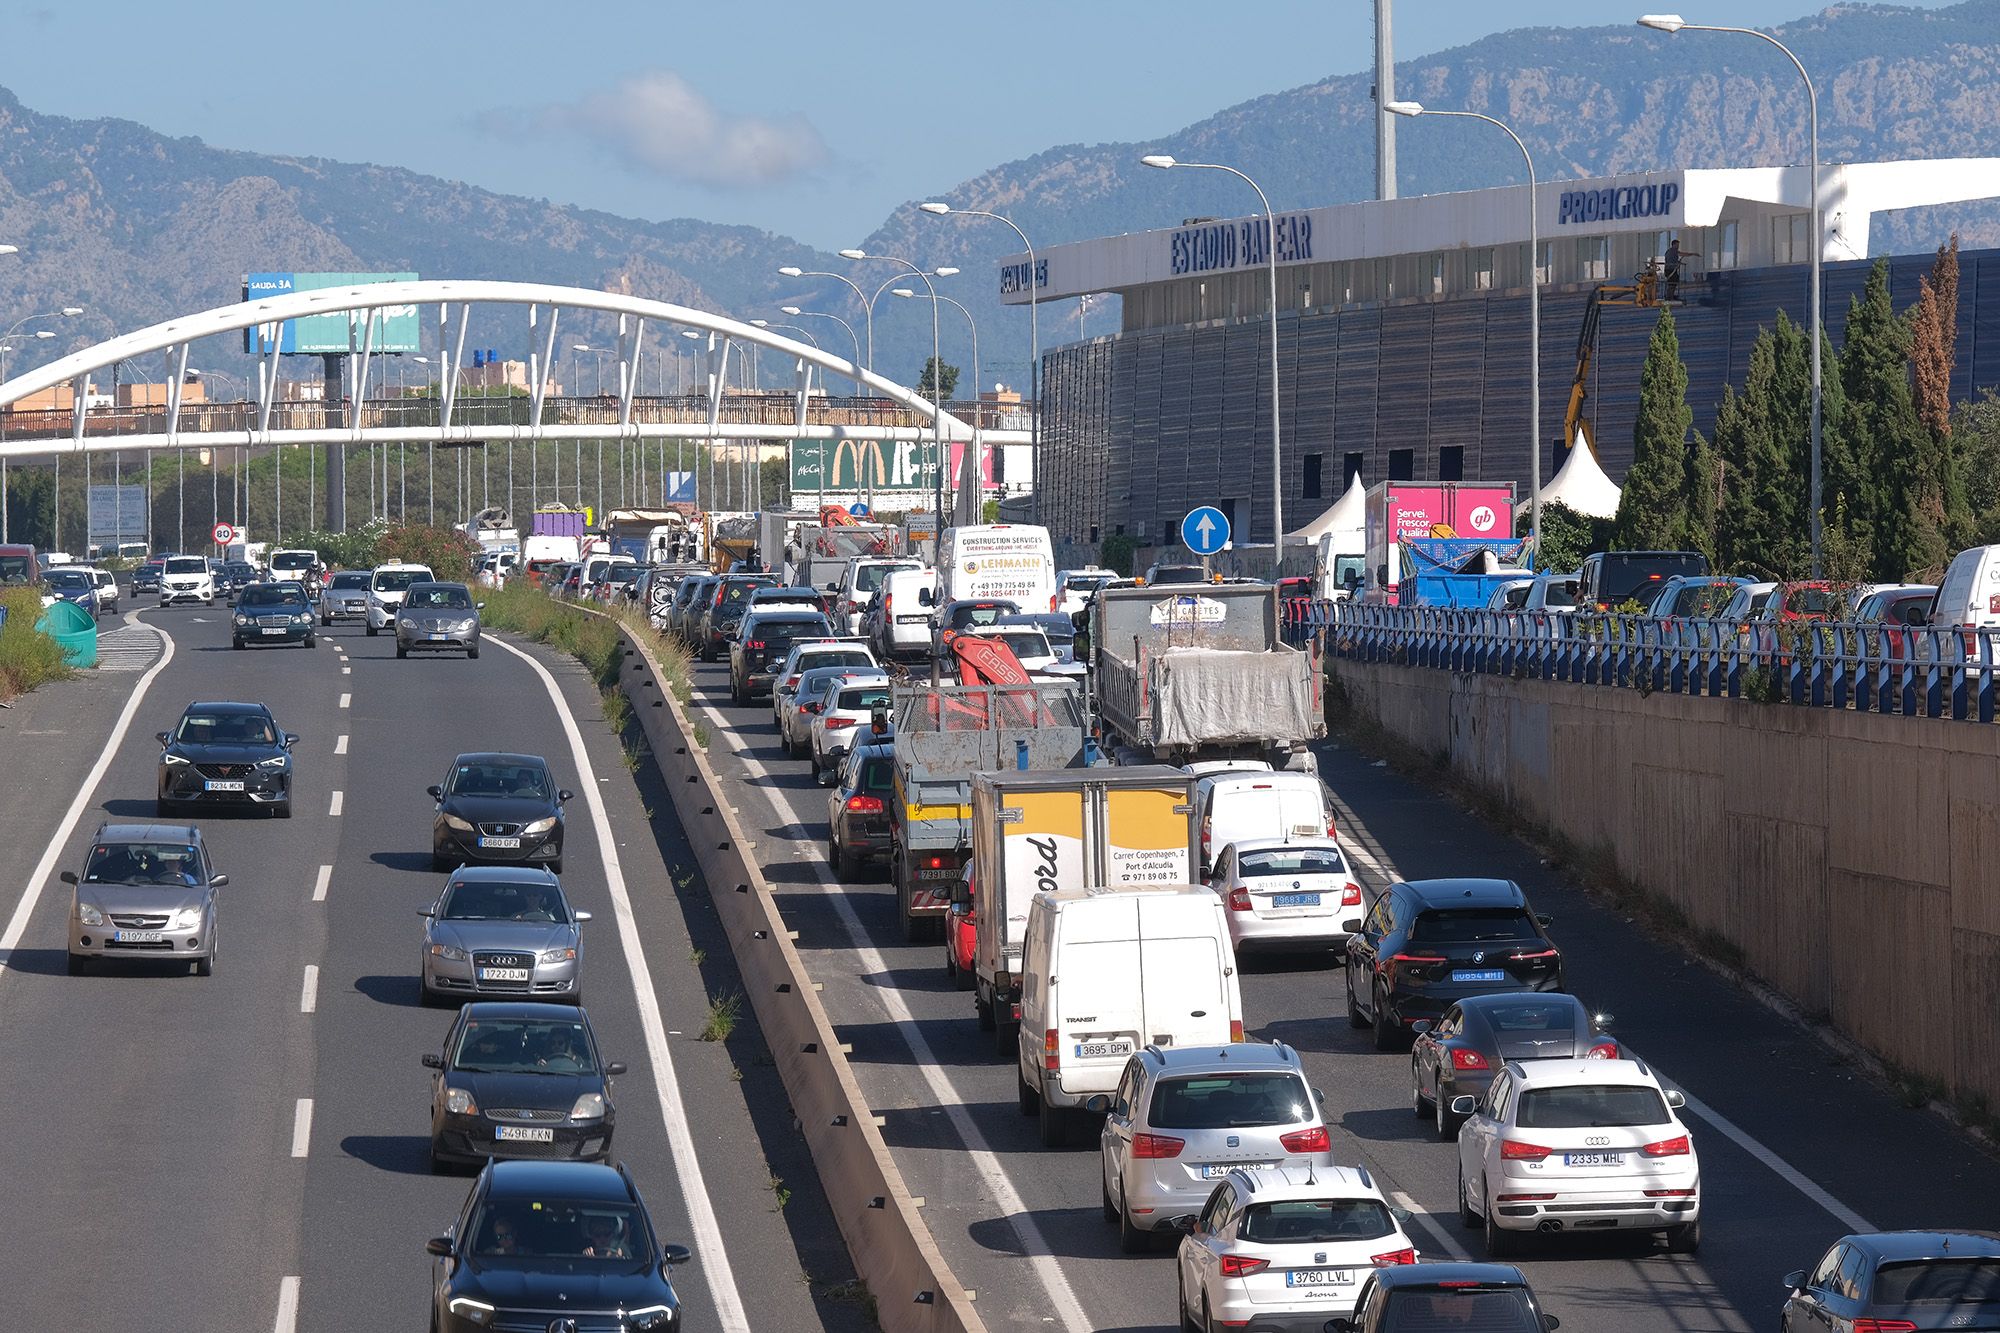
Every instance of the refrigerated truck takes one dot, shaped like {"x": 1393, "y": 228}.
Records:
{"x": 1403, "y": 511}
{"x": 1044, "y": 832}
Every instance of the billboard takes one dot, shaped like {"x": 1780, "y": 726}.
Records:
{"x": 882, "y": 466}
{"x": 396, "y": 327}
{"x": 116, "y": 512}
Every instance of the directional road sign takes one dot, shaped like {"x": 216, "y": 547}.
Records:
{"x": 1205, "y": 530}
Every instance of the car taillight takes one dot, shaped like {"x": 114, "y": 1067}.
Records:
{"x": 1604, "y": 1050}
{"x": 1206, "y": 824}
{"x": 791, "y": 682}
{"x": 812, "y": 708}
{"x": 754, "y": 643}
{"x": 1463, "y": 1059}
{"x": 1236, "y": 1029}
{"x": 1522, "y": 1198}
{"x": 1531, "y": 957}
{"x": 1394, "y": 1257}
{"x": 1513, "y": 1150}
{"x": 864, "y": 805}
{"x": 1884, "y": 1326}
{"x": 1307, "y": 1140}
{"x": 1674, "y": 1147}
{"x": 1239, "y": 1265}
{"x": 1156, "y": 1147}
{"x": 1239, "y": 899}
{"x": 1051, "y": 1051}
{"x": 1351, "y": 896}
{"x": 1670, "y": 1194}
{"x": 937, "y": 863}
{"x": 1053, "y": 600}
{"x": 839, "y": 723}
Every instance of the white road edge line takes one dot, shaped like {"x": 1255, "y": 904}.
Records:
{"x": 309, "y": 991}
{"x": 333, "y": 806}
{"x": 302, "y": 1124}
{"x": 340, "y": 743}
{"x": 319, "y": 884}
{"x": 288, "y": 1306}
{"x": 1047, "y": 1265}
{"x": 687, "y": 1163}
{"x": 17, "y": 925}
{"x": 346, "y": 700}
{"x": 1424, "y": 1219}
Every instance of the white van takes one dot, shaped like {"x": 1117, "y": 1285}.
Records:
{"x": 386, "y": 587}
{"x": 1969, "y": 597}
{"x": 1108, "y": 971}
{"x": 903, "y": 626}
{"x": 1235, "y": 807}
{"x": 864, "y": 578}
{"x": 1006, "y": 560}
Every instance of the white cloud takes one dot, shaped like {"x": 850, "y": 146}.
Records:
{"x": 660, "y": 124}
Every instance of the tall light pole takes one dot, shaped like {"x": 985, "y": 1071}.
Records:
{"x": 1672, "y": 23}
{"x": 793, "y": 271}
{"x": 907, "y": 294}
{"x": 1163, "y": 161}
{"x": 796, "y": 313}
{"x": 937, "y": 376}
{"x": 1034, "y": 345}
{"x": 66, "y": 311}
{"x": 1534, "y": 314}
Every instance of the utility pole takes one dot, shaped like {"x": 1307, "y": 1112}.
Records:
{"x": 1385, "y": 93}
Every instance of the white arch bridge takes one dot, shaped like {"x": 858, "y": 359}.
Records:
{"x": 454, "y": 418}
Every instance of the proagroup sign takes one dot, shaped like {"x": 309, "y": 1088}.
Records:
{"x": 1617, "y": 203}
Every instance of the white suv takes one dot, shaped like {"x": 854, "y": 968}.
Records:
{"x": 386, "y": 587}
{"x": 1276, "y": 1244}
{"x": 1577, "y": 1145}
{"x": 186, "y": 578}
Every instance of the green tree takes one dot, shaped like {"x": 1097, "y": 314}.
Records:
{"x": 1882, "y": 438}
{"x": 936, "y": 370}
{"x": 1761, "y": 521}
{"x": 1975, "y": 440}
{"x": 1703, "y": 489}
{"x": 1567, "y": 537}
{"x": 1653, "y": 508}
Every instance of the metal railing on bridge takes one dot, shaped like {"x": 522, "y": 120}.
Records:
{"x": 1912, "y": 671}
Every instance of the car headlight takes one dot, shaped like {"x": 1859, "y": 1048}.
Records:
{"x": 590, "y": 1106}
{"x": 242, "y": 619}
{"x": 188, "y": 918}
{"x": 465, "y": 626}
{"x": 454, "y": 822}
{"x": 274, "y": 762}
{"x": 473, "y": 1312}
{"x": 89, "y": 915}
{"x": 170, "y": 759}
{"x": 558, "y": 955}
{"x": 539, "y": 825}
{"x": 459, "y": 1102}
{"x": 650, "y": 1317}
{"x": 301, "y": 618}
{"x": 448, "y": 952}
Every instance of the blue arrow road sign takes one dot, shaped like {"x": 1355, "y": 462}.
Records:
{"x": 1205, "y": 530}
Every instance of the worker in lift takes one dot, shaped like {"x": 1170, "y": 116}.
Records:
{"x": 1673, "y": 269}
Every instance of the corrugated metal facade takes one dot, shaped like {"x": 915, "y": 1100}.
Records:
{"x": 1141, "y": 427}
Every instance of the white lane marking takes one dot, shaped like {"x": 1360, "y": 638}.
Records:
{"x": 346, "y": 699}
{"x": 309, "y": 991}
{"x": 288, "y": 1306}
{"x": 17, "y": 925}
{"x": 302, "y": 1124}
{"x": 319, "y": 885}
{"x": 1784, "y": 1170}
{"x": 340, "y": 744}
{"x": 334, "y": 808}
{"x": 1425, "y": 1220}
{"x": 347, "y": 671}
{"x": 687, "y": 1163}
{"x": 1060, "y": 1296}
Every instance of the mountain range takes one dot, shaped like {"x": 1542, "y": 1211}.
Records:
{"x": 139, "y": 226}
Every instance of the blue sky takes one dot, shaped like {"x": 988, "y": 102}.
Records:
{"x": 809, "y": 119}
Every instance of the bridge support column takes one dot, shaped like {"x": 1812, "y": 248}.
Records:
{"x": 334, "y": 378}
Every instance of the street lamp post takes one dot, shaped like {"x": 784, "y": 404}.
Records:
{"x": 766, "y": 324}
{"x": 793, "y": 271}
{"x": 67, "y": 311}
{"x": 937, "y": 377}
{"x": 1673, "y": 23}
{"x": 1534, "y": 314}
{"x": 1034, "y": 345}
{"x": 796, "y": 313}
{"x": 908, "y": 294}
{"x": 1163, "y": 161}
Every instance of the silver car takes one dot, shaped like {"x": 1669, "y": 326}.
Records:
{"x": 146, "y": 893}
{"x": 345, "y": 597}
{"x": 438, "y": 617}
{"x": 502, "y": 932}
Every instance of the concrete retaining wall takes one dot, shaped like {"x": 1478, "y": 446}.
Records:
{"x": 1854, "y": 858}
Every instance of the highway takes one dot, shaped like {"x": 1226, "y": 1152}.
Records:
{"x": 1796, "y": 1148}
{"x": 247, "y": 1152}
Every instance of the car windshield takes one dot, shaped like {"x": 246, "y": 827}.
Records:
{"x": 843, "y": 657}
{"x": 350, "y": 579}
{"x": 1315, "y": 1221}
{"x": 67, "y": 579}
{"x": 450, "y": 598}
{"x": 143, "y": 863}
{"x": 1023, "y": 644}
{"x": 869, "y": 578}
{"x": 523, "y": 1046}
{"x": 1470, "y": 924}
{"x": 777, "y": 633}
{"x": 396, "y": 580}
{"x": 271, "y": 594}
{"x": 294, "y": 560}
{"x": 1085, "y": 583}
{"x": 227, "y": 729}
{"x": 1294, "y": 861}
{"x": 1969, "y": 1281}
{"x": 192, "y": 564}
{"x": 478, "y": 900}
{"x": 621, "y": 573}
{"x": 1230, "y": 1101}
{"x": 1461, "y": 1310}
{"x": 1530, "y": 1017}
{"x": 1592, "y": 1106}
{"x": 966, "y": 616}
{"x": 1557, "y": 592}
{"x": 521, "y": 781}
{"x": 1812, "y": 602}
{"x": 14, "y": 568}
{"x": 1178, "y": 574}
{"x": 812, "y": 686}
{"x": 737, "y": 591}
{"x": 597, "y": 1229}
{"x": 862, "y": 699}
{"x": 1705, "y": 599}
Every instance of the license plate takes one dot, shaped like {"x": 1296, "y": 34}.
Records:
{"x": 1217, "y": 1170}
{"x": 1320, "y": 1277}
{"x": 438, "y": 638}
{"x": 1295, "y": 900}
{"x": 271, "y": 631}
{"x": 949, "y": 872}
{"x": 1593, "y": 1159}
{"x": 1480, "y": 974}
{"x": 1099, "y": 1050}
{"x": 524, "y": 1134}
{"x": 140, "y": 936}
{"x": 500, "y": 844}
{"x": 913, "y": 620}
{"x": 503, "y": 974}
{"x": 228, "y": 785}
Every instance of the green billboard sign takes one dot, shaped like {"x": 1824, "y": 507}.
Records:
{"x": 856, "y": 466}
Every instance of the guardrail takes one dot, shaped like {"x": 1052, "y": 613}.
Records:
{"x": 1908, "y": 670}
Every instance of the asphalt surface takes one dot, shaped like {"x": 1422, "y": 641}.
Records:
{"x": 1796, "y": 1148}
{"x": 160, "y": 1168}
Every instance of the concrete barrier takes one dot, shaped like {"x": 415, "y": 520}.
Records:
{"x": 881, "y": 1221}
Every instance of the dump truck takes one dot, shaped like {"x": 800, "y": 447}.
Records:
{"x": 944, "y": 735}
{"x": 1200, "y": 672}
{"x": 1439, "y": 571}
{"x": 822, "y": 544}
{"x": 651, "y": 536}
{"x": 1042, "y": 832}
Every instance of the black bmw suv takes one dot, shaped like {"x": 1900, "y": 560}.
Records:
{"x": 569, "y": 1238}
{"x": 762, "y": 643}
{"x": 1429, "y": 942}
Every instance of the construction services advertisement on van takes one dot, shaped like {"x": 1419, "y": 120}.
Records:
{"x": 1010, "y": 560}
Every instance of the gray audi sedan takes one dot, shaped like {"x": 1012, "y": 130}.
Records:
{"x": 146, "y": 893}
{"x": 502, "y": 932}
{"x": 438, "y": 617}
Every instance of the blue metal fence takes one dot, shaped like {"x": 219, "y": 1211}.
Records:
{"x": 1873, "y": 668}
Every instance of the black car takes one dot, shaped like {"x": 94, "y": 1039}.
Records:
{"x": 226, "y": 754}
{"x": 763, "y": 642}
{"x": 518, "y": 1079}
{"x": 857, "y": 812}
{"x": 1914, "y": 1280}
{"x": 728, "y": 599}
{"x": 553, "y": 1245}
{"x": 273, "y": 614}
{"x": 235, "y": 576}
{"x": 1423, "y": 1298}
{"x": 1167, "y": 576}
{"x": 498, "y": 807}
{"x": 1459, "y": 1054}
{"x": 146, "y": 575}
{"x": 1430, "y": 942}
{"x": 968, "y": 613}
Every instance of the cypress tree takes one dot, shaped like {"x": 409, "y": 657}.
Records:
{"x": 1884, "y": 440}
{"x": 1653, "y": 508}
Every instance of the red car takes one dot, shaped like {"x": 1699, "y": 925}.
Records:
{"x": 960, "y": 934}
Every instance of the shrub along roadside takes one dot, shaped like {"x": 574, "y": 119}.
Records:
{"x": 28, "y": 657}
{"x": 591, "y": 639}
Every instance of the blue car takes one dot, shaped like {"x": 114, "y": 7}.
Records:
{"x": 72, "y": 585}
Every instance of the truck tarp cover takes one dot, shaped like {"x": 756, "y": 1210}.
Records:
{"x": 1205, "y": 696}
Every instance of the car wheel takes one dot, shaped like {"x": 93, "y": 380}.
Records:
{"x": 963, "y": 975}
{"x": 1131, "y": 1240}
{"x": 1500, "y": 1244}
{"x": 236, "y": 643}
{"x": 555, "y": 866}
{"x": 1466, "y": 1217}
{"x": 575, "y": 997}
{"x": 372, "y": 630}
{"x": 833, "y": 858}
{"x": 205, "y": 967}
{"x": 439, "y": 1167}
{"x": 1354, "y": 1017}
{"x": 439, "y": 865}
{"x": 325, "y": 620}
{"x": 848, "y": 866}
{"x": 166, "y": 809}
{"x": 1054, "y": 1126}
{"x": 1447, "y": 1122}
{"x": 1208, "y": 1324}
{"x": 1420, "y": 1104}
{"x": 283, "y": 809}
{"x": 1685, "y": 1238}
{"x": 312, "y": 640}
{"x": 1104, "y": 1189}
{"x": 983, "y": 1012}
{"x": 472, "y": 652}
{"x": 78, "y": 964}
{"x": 401, "y": 651}
{"x": 1027, "y": 1098}
{"x": 1187, "y": 1319}
{"x": 1386, "y": 1036}
{"x": 426, "y": 997}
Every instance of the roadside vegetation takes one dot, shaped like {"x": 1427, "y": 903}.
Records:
{"x": 28, "y": 657}
{"x": 590, "y": 636}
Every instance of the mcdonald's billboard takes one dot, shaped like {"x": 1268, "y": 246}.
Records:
{"x": 857, "y": 466}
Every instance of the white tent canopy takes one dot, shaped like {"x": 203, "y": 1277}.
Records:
{"x": 1580, "y": 483}
{"x": 1343, "y": 521}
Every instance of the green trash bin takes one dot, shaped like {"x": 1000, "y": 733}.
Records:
{"x": 74, "y": 630}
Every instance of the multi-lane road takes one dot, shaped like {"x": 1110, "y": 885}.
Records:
{"x": 247, "y": 1152}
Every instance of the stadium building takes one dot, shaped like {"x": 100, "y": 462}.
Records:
{"x": 1403, "y": 333}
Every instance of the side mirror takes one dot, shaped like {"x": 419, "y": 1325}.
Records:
{"x": 1097, "y": 1105}
{"x": 1794, "y": 1280}
{"x": 614, "y": 1069}
{"x": 163, "y": 736}
{"x": 565, "y": 795}
{"x": 1464, "y": 1105}
{"x": 426, "y": 911}
{"x": 479, "y": 606}
{"x": 438, "y": 1245}
{"x": 1319, "y": 1098}
{"x": 291, "y": 739}
{"x": 581, "y": 917}
{"x": 1183, "y": 1223}
{"x": 1601, "y": 1022}
{"x": 1340, "y": 1324}
{"x": 217, "y": 881}
{"x": 1551, "y": 1323}
{"x": 1676, "y": 1098}
{"x": 1545, "y": 918}
{"x": 434, "y": 1061}
{"x": 67, "y": 877}
{"x": 672, "y": 1255}
{"x": 1421, "y": 1026}
{"x": 1400, "y": 1213}
{"x": 435, "y": 793}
